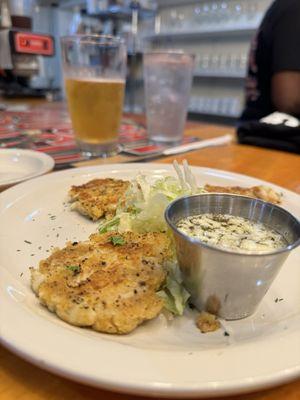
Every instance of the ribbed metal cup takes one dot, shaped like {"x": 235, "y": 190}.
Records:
{"x": 227, "y": 283}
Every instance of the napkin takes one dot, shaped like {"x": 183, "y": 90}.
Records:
{"x": 277, "y": 131}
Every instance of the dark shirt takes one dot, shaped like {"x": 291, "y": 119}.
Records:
{"x": 275, "y": 48}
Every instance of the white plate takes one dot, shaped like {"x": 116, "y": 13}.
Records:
{"x": 159, "y": 358}
{"x": 17, "y": 165}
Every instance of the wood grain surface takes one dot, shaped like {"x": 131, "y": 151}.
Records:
{"x": 19, "y": 380}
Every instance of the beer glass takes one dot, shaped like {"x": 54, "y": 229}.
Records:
{"x": 94, "y": 69}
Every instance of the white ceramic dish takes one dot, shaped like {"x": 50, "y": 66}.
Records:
{"x": 159, "y": 358}
{"x": 17, "y": 165}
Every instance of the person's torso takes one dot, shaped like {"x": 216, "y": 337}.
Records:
{"x": 259, "y": 79}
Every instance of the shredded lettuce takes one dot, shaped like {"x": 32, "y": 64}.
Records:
{"x": 146, "y": 201}
{"x": 173, "y": 293}
{"x": 110, "y": 225}
{"x": 143, "y": 210}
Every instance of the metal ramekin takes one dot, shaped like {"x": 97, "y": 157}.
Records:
{"x": 228, "y": 283}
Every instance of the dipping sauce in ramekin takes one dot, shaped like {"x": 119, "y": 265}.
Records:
{"x": 228, "y": 275}
{"x": 231, "y": 232}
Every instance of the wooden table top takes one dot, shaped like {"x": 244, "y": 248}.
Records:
{"x": 21, "y": 380}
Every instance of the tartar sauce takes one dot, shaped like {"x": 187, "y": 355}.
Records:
{"x": 232, "y": 233}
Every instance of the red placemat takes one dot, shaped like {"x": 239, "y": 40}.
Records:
{"x": 48, "y": 129}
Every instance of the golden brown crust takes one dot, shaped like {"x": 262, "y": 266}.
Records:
{"x": 98, "y": 198}
{"x": 258, "y": 192}
{"x": 207, "y": 322}
{"x": 111, "y": 288}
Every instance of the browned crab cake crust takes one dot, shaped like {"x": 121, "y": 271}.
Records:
{"x": 110, "y": 288}
{"x": 98, "y": 198}
{"x": 258, "y": 192}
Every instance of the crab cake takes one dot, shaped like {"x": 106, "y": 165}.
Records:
{"x": 108, "y": 283}
{"x": 258, "y": 192}
{"x": 98, "y": 198}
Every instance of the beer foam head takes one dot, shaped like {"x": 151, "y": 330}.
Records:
{"x": 96, "y": 79}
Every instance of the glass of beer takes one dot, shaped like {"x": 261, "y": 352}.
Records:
{"x": 94, "y": 70}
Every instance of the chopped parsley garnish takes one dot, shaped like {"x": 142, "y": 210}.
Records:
{"x": 278, "y": 299}
{"x": 117, "y": 240}
{"x": 74, "y": 268}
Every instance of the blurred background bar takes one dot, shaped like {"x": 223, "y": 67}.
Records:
{"x": 218, "y": 32}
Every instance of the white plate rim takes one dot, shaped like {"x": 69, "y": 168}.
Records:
{"x": 160, "y": 389}
{"x": 47, "y": 164}
{"x": 211, "y": 389}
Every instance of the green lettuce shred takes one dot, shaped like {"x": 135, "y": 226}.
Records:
{"x": 108, "y": 226}
{"x": 173, "y": 293}
{"x": 143, "y": 210}
{"x": 146, "y": 201}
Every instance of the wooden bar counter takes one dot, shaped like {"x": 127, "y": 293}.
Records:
{"x": 19, "y": 380}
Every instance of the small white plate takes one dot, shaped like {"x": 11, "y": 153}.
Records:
{"x": 17, "y": 165}
{"x": 162, "y": 358}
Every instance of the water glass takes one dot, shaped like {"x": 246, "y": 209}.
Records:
{"x": 168, "y": 80}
